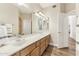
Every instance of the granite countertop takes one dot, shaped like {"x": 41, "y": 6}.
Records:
{"x": 14, "y": 44}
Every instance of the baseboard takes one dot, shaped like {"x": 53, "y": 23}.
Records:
{"x": 73, "y": 39}
{"x": 53, "y": 44}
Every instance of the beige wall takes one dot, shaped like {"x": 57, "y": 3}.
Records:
{"x": 62, "y": 8}
{"x": 69, "y": 7}
{"x": 9, "y": 15}
{"x": 77, "y": 6}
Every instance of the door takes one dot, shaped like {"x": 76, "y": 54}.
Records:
{"x": 27, "y": 26}
{"x": 63, "y": 31}
{"x": 72, "y": 24}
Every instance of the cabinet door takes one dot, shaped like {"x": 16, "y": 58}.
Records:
{"x": 42, "y": 47}
{"x": 27, "y": 50}
{"x": 47, "y": 41}
{"x": 43, "y": 39}
{"x": 38, "y": 43}
{"x": 35, "y": 52}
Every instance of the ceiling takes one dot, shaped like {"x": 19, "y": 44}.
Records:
{"x": 33, "y": 7}
{"x": 45, "y": 5}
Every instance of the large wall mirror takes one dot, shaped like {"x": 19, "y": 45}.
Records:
{"x": 40, "y": 22}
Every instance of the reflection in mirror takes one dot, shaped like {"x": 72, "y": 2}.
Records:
{"x": 40, "y": 23}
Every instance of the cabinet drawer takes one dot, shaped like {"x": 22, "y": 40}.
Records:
{"x": 38, "y": 43}
{"x": 27, "y": 50}
{"x": 35, "y": 52}
{"x": 43, "y": 40}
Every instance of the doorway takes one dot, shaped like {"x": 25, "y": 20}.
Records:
{"x": 72, "y": 26}
{"x": 20, "y": 25}
{"x": 72, "y": 32}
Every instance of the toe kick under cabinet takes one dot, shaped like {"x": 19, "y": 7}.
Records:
{"x": 35, "y": 49}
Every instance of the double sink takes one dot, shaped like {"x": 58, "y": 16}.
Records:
{"x": 12, "y": 41}
{"x": 17, "y": 41}
{"x": 9, "y": 46}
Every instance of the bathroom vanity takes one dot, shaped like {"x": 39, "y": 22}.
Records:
{"x": 31, "y": 45}
{"x": 35, "y": 49}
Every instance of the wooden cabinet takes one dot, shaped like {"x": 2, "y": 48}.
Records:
{"x": 47, "y": 40}
{"x": 35, "y": 49}
{"x": 27, "y": 50}
{"x": 43, "y": 40}
{"x": 47, "y": 43}
{"x": 42, "y": 48}
{"x": 42, "y": 45}
{"x": 35, "y": 52}
{"x": 38, "y": 43}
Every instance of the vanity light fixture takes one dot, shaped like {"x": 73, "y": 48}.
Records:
{"x": 40, "y": 13}
{"x": 23, "y": 4}
{"x": 37, "y": 14}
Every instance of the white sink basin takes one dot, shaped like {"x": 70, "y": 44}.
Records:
{"x": 18, "y": 42}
